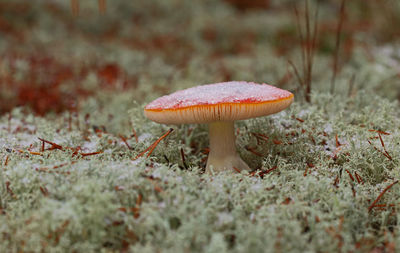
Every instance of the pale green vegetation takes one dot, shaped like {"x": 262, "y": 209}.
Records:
{"x": 324, "y": 164}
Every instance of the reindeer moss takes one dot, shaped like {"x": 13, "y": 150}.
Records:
{"x": 309, "y": 202}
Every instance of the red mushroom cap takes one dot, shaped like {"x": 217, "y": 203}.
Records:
{"x": 226, "y": 101}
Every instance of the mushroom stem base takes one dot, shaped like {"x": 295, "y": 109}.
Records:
{"x": 223, "y": 155}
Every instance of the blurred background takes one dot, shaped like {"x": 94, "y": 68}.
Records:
{"x": 55, "y": 54}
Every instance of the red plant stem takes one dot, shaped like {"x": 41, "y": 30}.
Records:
{"x": 63, "y": 164}
{"x": 6, "y": 162}
{"x": 384, "y": 148}
{"x": 359, "y": 179}
{"x": 154, "y": 145}
{"x": 236, "y": 169}
{"x": 253, "y": 150}
{"x": 382, "y": 143}
{"x": 379, "y": 131}
{"x": 351, "y": 176}
{"x": 34, "y": 153}
{"x": 30, "y": 152}
{"x": 205, "y": 150}
{"x": 139, "y": 200}
{"x": 383, "y": 153}
{"x": 306, "y": 171}
{"x": 55, "y": 166}
{"x": 44, "y": 191}
{"x": 158, "y": 141}
{"x": 259, "y": 137}
{"x": 92, "y": 153}
{"x": 338, "y": 144}
{"x": 262, "y": 173}
{"x": 54, "y": 145}
{"x": 75, "y": 7}
{"x": 102, "y": 6}
{"x": 124, "y": 140}
{"x": 381, "y": 194}
{"x": 312, "y": 139}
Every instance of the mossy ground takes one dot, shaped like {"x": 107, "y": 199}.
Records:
{"x": 322, "y": 167}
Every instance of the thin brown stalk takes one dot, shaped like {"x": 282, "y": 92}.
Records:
{"x": 308, "y": 41}
{"x": 236, "y": 169}
{"x": 337, "y": 46}
{"x": 381, "y": 194}
{"x": 123, "y": 138}
{"x": 262, "y": 173}
{"x": 91, "y": 153}
{"x": 385, "y": 153}
{"x": 53, "y": 145}
{"x": 102, "y": 6}
{"x": 383, "y": 145}
{"x": 253, "y": 150}
{"x": 75, "y": 7}
{"x": 312, "y": 51}
{"x": 154, "y": 145}
{"x": 350, "y": 175}
{"x": 307, "y": 46}
{"x": 300, "y": 32}
{"x": 358, "y": 177}
{"x": 6, "y": 162}
{"x": 296, "y": 72}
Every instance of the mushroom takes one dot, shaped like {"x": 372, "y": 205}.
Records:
{"x": 219, "y": 105}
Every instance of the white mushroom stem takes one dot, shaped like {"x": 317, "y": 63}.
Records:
{"x": 223, "y": 154}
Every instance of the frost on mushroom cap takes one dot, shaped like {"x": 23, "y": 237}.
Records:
{"x": 226, "y": 101}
